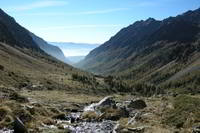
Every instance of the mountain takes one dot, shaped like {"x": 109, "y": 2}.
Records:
{"x": 151, "y": 51}
{"x": 75, "y": 51}
{"x": 14, "y": 34}
{"x": 24, "y": 63}
{"x": 50, "y": 49}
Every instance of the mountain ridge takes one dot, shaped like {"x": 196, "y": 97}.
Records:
{"x": 27, "y": 60}
{"x": 19, "y": 35}
{"x": 50, "y": 49}
{"x": 137, "y": 52}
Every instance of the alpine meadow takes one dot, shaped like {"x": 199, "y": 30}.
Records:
{"x": 98, "y": 66}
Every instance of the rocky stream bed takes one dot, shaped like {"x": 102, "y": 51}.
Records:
{"x": 100, "y": 117}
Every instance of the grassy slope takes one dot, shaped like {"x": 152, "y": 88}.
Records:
{"x": 24, "y": 66}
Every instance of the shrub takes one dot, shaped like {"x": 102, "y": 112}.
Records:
{"x": 84, "y": 79}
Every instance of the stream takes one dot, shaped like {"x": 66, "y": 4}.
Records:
{"x": 100, "y": 117}
{"x": 75, "y": 124}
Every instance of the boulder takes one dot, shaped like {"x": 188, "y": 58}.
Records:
{"x": 113, "y": 114}
{"x": 107, "y": 102}
{"x": 196, "y": 129}
{"x": 137, "y": 104}
{"x": 60, "y": 116}
{"x": 137, "y": 129}
{"x": 19, "y": 126}
{"x": 89, "y": 116}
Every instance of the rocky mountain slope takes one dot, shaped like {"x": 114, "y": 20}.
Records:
{"x": 50, "y": 49}
{"x": 151, "y": 51}
{"x": 14, "y": 34}
{"x": 24, "y": 63}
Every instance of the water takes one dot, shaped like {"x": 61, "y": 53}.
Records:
{"x": 106, "y": 126}
{"x": 6, "y": 131}
{"x": 77, "y": 125}
{"x": 92, "y": 127}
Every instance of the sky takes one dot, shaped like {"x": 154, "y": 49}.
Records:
{"x": 88, "y": 21}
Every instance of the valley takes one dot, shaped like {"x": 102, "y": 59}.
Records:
{"x": 145, "y": 79}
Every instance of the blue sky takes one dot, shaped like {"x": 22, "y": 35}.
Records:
{"x": 88, "y": 21}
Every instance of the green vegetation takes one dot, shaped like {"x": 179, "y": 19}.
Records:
{"x": 185, "y": 113}
{"x": 84, "y": 79}
{"x": 116, "y": 84}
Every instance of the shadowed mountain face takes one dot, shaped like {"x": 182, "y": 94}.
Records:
{"x": 75, "y": 52}
{"x": 50, "y": 49}
{"x": 145, "y": 49}
{"x": 26, "y": 59}
{"x": 14, "y": 34}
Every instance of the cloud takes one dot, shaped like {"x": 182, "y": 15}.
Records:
{"x": 94, "y": 12}
{"x": 100, "y": 11}
{"x": 78, "y": 27}
{"x": 38, "y": 4}
{"x": 76, "y": 52}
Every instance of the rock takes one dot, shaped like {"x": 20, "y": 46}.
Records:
{"x": 115, "y": 129}
{"x": 113, "y": 114}
{"x": 137, "y": 129}
{"x": 72, "y": 120}
{"x": 74, "y": 110}
{"x": 48, "y": 121}
{"x": 89, "y": 115}
{"x": 107, "y": 102}
{"x": 124, "y": 130}
{"x": 137, "y": 104}
{"x": 60, "y": 116}
{"x": 60, "y": 126}
{"x": 196, "y": 129}
{"x": 19, "y": 126}
{"x": 136, "y": 117}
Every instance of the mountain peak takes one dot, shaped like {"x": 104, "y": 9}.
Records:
{"x": 140, "y": 36}
{"x": 150, "y": 19}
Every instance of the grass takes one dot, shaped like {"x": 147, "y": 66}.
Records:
{"x": 5, "y": 118}
{"x": 186, "y": 112}
{"x": 44, "y": 106}
{"x": 21, "y": 66}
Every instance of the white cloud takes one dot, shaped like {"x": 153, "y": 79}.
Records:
{"x": 94, "y": 12}
{"x": 100, "y": 11}
{"x": 78, "y": 27}
{"x": 76, "y": 52}
{"x": 38, "y": 4}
